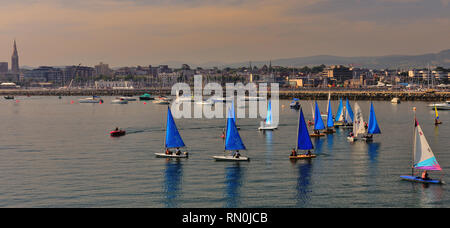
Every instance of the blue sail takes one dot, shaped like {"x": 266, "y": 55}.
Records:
{"x": 373, "y": 124}
{"x": 303, "y": 140}
{"x": 349, "y": 111}
{"x": 173, "y": 138}
{"x": 340, "y": 109}
{"x": 233, "y": 140}
{"x": 318, "y": 123}
{"x": 330, "y": 122}
{"x": 269, "y": 114}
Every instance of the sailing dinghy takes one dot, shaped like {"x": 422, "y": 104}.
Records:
{"x": 173, "y": 140}
{"x": 423, "y": 158}
{"x": 318, "y": 123}
{"x": 303, "y": 140}
{"x": 437, "y": 121}
{"x": 359, "y": 128}
{"x": 268, "y": 124}
{"x": 233, "y": 142}
{"x": 373, "y": 126}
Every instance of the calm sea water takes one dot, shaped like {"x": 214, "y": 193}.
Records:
{"x": 58, "y": 154}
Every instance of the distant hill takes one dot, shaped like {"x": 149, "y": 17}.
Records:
{"x": 377, "y": 62}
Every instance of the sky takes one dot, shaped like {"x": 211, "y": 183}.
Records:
{"x": 151, "y": 32}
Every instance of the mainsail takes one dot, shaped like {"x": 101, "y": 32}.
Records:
{"x": 303, "y": 138}
{"x": 373, "y": 124}
{"x": 173, "y": 138}
{"x": 349, "y": 111}
{"x": 318, "y": 123}
{"x": 233, "y": 140}
{"x": 358, "y": 123}
{"x": 423, "y": 155}
{"x": 330, "y": 122}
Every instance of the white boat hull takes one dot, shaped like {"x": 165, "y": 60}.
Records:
{"x": 267, "y": 128}
{"x": 163, "y": 155}
{"x": 230, "y": 158}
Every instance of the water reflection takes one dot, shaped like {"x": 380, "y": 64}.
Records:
{"x": 373, "y": 151}
{"x": 430, "y": 195}
{"x": 303, "y": 182}
{"x": 172, "y": 182}
{"x": 233, "y": 181}
{"x": 330, "y": 141}
{"x": 269, "y": 147}
{"x": 318, "y": 145}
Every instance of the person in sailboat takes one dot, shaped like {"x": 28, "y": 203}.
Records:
{"x": 425, "y": 175}
{"x": 293, "y": 152}
{"x": 308, "y": 153}
{"x": 178, "y": 151}
{"x": 236, "y": 154}
{"x": 168, "y": 152}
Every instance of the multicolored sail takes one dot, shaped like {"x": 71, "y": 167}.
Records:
{"x": 437, "y": 114}
{"x": 423, "y": 155}
{"x": 269, "y": 114}
{"x": 318, "y": 123}
{"x": 173, "y": 138}
{"x": 339, "y": 114}
{"x": 233, "y": 140}
{"x": 303, "y": 138}
{"x": 373, "y": 124}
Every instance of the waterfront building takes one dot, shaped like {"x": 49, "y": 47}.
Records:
{"x": 102, "y": 69}
{"x": 45, "y": 74}
{"x": 338, "y": 72}
{"x": 78, "y": 73}
{"x": 3, "y": 67}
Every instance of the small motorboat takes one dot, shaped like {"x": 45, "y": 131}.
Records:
{"x": 9, "y": 97}
{"x": 441, "y": 106}
{"x": 162, "y": 100}
{"x": 117, "y": 133}
{"x": 295, "y": 104}
{"x": 128, "y": 98}
{"x": 119, "y": 101}
{"x": 395, "y": 100}
{"x": 146, "y": 97}
{"x": 93, "y": 99}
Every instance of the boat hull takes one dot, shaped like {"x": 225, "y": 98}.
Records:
{"x": 317, "y": 135}
{"x": 163, "y": 155}
{"x": 231, "y": 158}
{"x": 303, "y": 156}
{"x": 267, "y": 128}
{"x": 420, "y": 180}
{"x": 117, "y": 133}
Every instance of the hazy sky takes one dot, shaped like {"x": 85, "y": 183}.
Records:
{"x": 143, "y": 32}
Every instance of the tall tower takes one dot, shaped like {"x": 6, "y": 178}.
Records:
{"x": 15, "y": 60}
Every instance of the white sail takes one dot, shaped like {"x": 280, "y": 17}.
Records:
{"x": 358, "y": 123}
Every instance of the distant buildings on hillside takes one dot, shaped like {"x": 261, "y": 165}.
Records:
{"x": 102, "y": 76}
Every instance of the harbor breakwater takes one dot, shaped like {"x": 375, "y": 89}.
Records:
{"x": 283, "y": 94}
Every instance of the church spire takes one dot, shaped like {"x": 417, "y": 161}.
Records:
{"x": 15, "y": 59}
